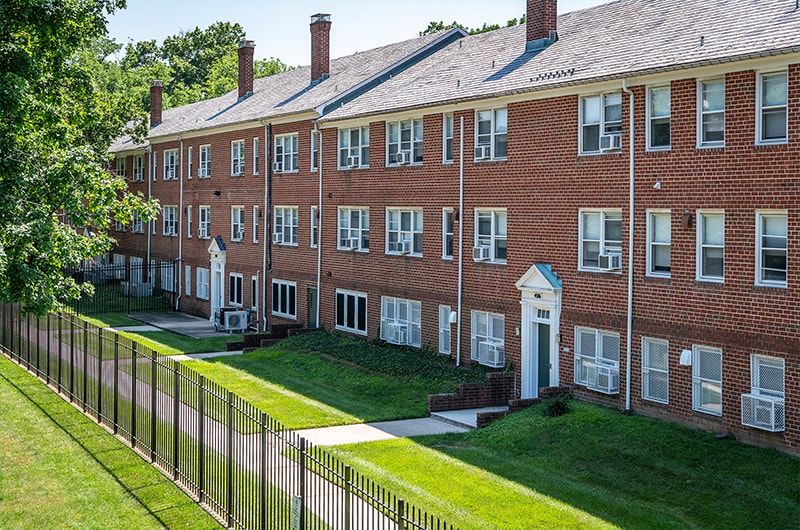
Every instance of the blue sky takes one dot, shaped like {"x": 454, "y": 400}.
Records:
{"x": 280, "y": 27}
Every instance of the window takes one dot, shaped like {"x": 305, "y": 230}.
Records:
{"x": 204, "y": 169}
{"x": 710, "y": 246}
{"x": 400, "y": 321}
{"x": 256, "y": 155}
{"x": 154, "y": 167}
{"x": 597, "y": 359}
{"x": 403, "y": 231}
{"x": 237, "y": 223}
{"x": 600, "y": 234}
{"x": 447, "y": 233}
{"x": 707, "y": 380}
{"x": 658, "y": 118}
{"x": 491, "y": 132}
{"x": 204, "y": 224}
{"x": 447, "y": 139}
{"x": 202, "y": 283}
{"x": 138, "y": 168}
{"x": 286, "y": 154}
{"x": 488, "y": 338}
{"x": 168, "y": 277}
{"x": 765, "y": 407}
{"x": 353, "y": 229}
{"x": 189, "y": 222}
{"x": 254, "y": 293}
{"x": 170, "y": 214}
{"x": 191, "y": 162}
{"x": 188, "y": 279}
{"x": 285, "y": 226}
{"x": 351, "y": 312}
{"x": 314, "y": 150}
{"x": 404, "y": 142}
{"x": 118, "y": 226}
{"x": 170, "y": 164}
{"x": 444, "y": 329}
{"x": 256, "y": 216}
{"x": 767, "y": 376}
{"x": 237, "y": 158}
{"x": 354, "y": 147}
{"x": 491, "y": 227}
{"x": 600, "y": 115}
{"x": 235, "y": 283}
{"x": 771, "y": 236}
{"x": 659, "y": 239}
{"x": 122, "y": 166}
{"x": 136, "y": 222}
{"x": 711, "y": 113}
{"x": 284, "y": 295}
{"x": 772, "y": 93}
{"x": 655, "y": 370}
{"x": 314, "y": 226}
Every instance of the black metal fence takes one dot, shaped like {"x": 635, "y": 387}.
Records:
{"x": 126, "y": 287}
{"x": 242, "y": 465}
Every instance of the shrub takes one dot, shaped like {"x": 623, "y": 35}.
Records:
{"x": 556, "y": 406}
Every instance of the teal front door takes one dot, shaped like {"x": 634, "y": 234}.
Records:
{"x": 543, "y": 353}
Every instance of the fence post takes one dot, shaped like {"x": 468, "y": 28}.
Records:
{"x": 176, "y": 421}
{"x": 71, "y": 357}
{"x": 133, "y": 393}
{"x": 84, "y": 397}
{"x": 229, "y": 470}
{"x": 153, "y": 406}
{"x": 116, "y": 383}
{"x": 302, "y": 483}
{"x": 28, "y": 345}
{"x": 264, "y": 447}
{"x": 99, "y": 375}
{"x": 201, "y": 439}
{"x": 347, "y": 493}
{"x": 401, "y": 505}
{"x": 60, "y": 350}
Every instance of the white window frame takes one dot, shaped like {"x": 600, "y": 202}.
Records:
{"x": 655, "y": 369}
{"x": 477, "y": 336}
{"x": 122, "y": 166}
{"x": 285, "y": 222}
{"x": 138, "y": 168}
{"x": 167, "y": 277}
{"x": 604, "y": 244}
{"x": 188, "y": 279}
{"x": 584, "y": 355}
{"x": 654, "y": 244}
{"x": 287, "y": 153}
{"x": 170, "y": 216}
{"x": 653, "y": 119}
{"x": 343, "y": 323}
{"x": 497, "y": 137}
{"x": 237, "y": 223}
{"x": 346, "y": 232}
{"x": 762, "y": 110}
{"x": 401, "y": 321}
{"x": 119, "y": 227}
{"x": 758, "y": 363}
{"x": 170, "y": 164}
{"x": 256, "y": 218}
{"x": 706, "y": 115}
{"x": 404, "y": 224}
{"x": 703, "y": 247}
{"x": 448, "y": 233}
{"x": 204, "y": 222}
{"x": 347, "y": 148}
{"x": 702, "y": 384}
{"x": 762, "y": 247}
{"x": 154, "y": 169}
{"x": 314, "y": 150}
{"x": 190, "y": 162}
{"x": 189, "y": 221}
{"x": 254, "y": 293}
{"x": 204, "y": 164}
{"x": 445, "y": 331}
{"x": 404, "y": 135}
{"x": 235, "y": 289}
{"x": 284, "y": 305}
{"x": 202, "y": 283}
{"x": 136, "y": 223}
{"x": 448, "y": 138}
{"x": 314, "y": 226}
{"x": 256, "y": 156}
{"x": 493, "y": 239}
{"x": 237, "y": 158}
{"x": 604, "y": 125}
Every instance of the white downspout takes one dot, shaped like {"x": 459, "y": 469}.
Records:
{"x": 319, "y": 221}
{"x": 460, "y": 240}
{"x": 179, "y": 261}
{"x": 265, "y": 225}
{"x": 630, "y": 252}
{"x": 150, "y": 173}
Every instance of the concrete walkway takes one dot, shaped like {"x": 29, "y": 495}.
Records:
{"x": 180, "y": 323}
{"x": 373, "y": 432}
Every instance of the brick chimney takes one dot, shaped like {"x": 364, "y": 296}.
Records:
{"x": 155, "y": 102}
{"x": 320, "y": 46}
{"x": 541, "y": 24}
{"x": 246, "y": 50}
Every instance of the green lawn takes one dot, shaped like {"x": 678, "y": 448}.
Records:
{"x": 168, "y": 343}
{"x": 58, "y": 469}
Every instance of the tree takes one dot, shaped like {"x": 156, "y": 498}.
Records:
{"x": 56, "y": 123}
{"x": 435, "y": 27}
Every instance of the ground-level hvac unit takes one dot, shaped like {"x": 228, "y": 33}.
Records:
{"x": 231, "y": 319}
{"x": 763, "y": 412}
{"x": 602, "y": 378}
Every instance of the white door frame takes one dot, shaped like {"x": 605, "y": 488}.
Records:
{"x": 216, "y": 277}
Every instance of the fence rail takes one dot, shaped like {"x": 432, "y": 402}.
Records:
{"x": 241, "y": 464}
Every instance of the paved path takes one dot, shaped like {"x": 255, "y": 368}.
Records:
{"x": 372, "y": 432}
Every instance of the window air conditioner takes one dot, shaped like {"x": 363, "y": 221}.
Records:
{"x": 481, "y": 253}
{"x": 355, "y": 243}
{"x": 610, "y": 142}
{"x": 483, "y": 152}
{"x": 609, "y": 262}
{"x": 277, "y": 238}
{"x": 238, "y": 235}
{"x": 763, "y": 412}
{"x": 403, "y": 247}
{"x": 491, "y": 353}
{"x": 277, "y": 167}
{"x": 353, "y": 161}
{"x": 396, "y": 332}
{"x": 602, "y": 378}
{"x": 403, "y": 158}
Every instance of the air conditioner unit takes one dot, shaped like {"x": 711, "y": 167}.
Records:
{"x": 396, "y": 332}
{"x": 609, "y": 262}
{"x": 277, "y": 167}
{"x": 491, "y": 353}
{"x": 202, "y": 233}
{"x": 481, "y": 253}
{"x": 238, "y": 235}
{"x": 355, "y": 243}
{"x": 277, "y": 238}
{"x": 763, "y": 412}
{"x": 403, "y": 247}
{"x": 403, "y": 158}
{"x": 610, "y": 142}
{"x": 353, "y": 161}
{"x": 602, "y": 378}
{"x": 483, "y": 152}
{"x": 235, "y": 321}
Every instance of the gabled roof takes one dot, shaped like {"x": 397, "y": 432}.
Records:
{"x": 292, "y": 93}
{"x": 611, "y": 41}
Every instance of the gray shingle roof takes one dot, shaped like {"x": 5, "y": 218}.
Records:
{"x": 608, "y": 41}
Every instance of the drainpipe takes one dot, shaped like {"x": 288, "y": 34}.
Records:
{"x": 179, "y": 260}
{"x": 266, "y": 238}
{"x": 629, "y": 336}
{"x": 268, "y": 190}
{"x": 150, "y": 173}
{"x": 460, "y": 239}
{"x": 319, "y": 220}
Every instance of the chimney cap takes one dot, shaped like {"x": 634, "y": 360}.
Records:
{"x": 244, "y": 43}
{"x": 321, "y": 17}
{"x": 155, "y": 82}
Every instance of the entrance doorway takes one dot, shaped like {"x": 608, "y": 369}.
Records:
{"x": 312, "y": 308}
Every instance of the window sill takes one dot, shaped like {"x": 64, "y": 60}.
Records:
{"x": 353, "y": 331}
{"x": 709, "y": 281}
{"x": 488, "y": 262}
{"x": 658, "y": 149}
{"x": 617, "y": 272}
{"x": 486, "y": 160}
{"x": 407, "y": 255}
{"x": 770, "y": 287}
{"x": 287, "y": 317}
{"x": 709, "y": 146}
{"x": 600, "y": 153}
{"x": 285, "y": 245}
{"x": 345, "y": 168}
{"x": 658, "y": 277}
{"x": 776, "y": 143}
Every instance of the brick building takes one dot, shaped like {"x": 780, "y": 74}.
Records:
{"x": 605, "y": 199}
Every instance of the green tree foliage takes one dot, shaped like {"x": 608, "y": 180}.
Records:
{"x": 58, "y": 115}
{"x": 435, "y": 27}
